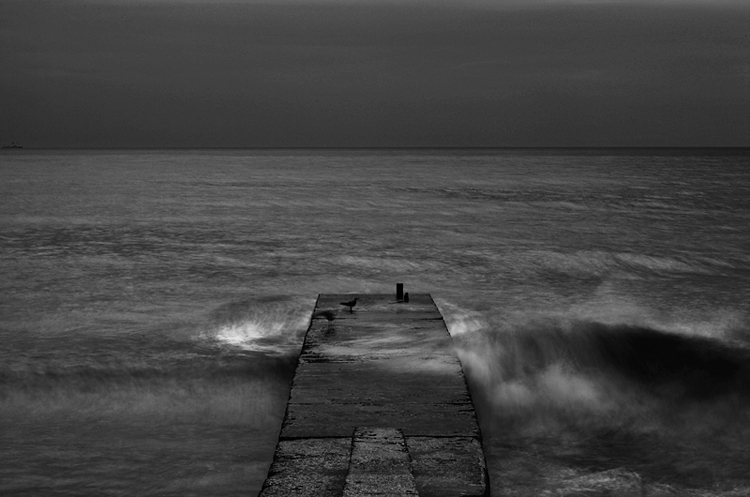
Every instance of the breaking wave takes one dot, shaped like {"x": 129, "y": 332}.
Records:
{"x": 271, "y": 326}
{"x": 580, "y": 361}
{"x": 593, "y": 398}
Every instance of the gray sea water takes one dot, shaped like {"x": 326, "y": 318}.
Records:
{"x": 153, "y": 303}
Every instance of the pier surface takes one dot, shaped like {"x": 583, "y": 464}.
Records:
{"x": 378, "y": 406}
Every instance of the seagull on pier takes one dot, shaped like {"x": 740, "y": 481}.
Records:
{"x": 330, "y": 315}
{"x": 350, "y": 304}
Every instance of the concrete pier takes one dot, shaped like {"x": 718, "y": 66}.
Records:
{"x": 378, "y": 406}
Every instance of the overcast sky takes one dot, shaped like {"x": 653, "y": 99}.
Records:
{"x": 193, "y": 73}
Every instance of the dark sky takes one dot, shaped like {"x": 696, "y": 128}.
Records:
{"x": 192, "y": 73}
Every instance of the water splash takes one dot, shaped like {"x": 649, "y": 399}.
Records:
{"x": 270, "y": 326}
{"x": 536, "y": 370}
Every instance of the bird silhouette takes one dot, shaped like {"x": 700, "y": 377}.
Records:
{"x": 329, "y": 314}
{"x": 350, "y": 304}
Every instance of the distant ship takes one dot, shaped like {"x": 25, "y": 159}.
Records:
{"x": 13, "y": 145}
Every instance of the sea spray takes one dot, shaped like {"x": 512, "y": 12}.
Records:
{"x": 599, "y": 406}
{"x": 271, "y": 325}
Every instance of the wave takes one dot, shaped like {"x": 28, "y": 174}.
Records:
{"x": 549, "y": 373}
{"x": 250, "y": 393}
{"x": 600, "y": 263}
{"x": 387, "y": 264}
{"x": 688, "y": 367}
{"x": 92, "y": 375}
{"x": 238, "y": 365}
{"x": 273, "y": 325}
{"x": 610, "y": 405}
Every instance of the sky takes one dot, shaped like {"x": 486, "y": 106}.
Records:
{"x": 366, "y": 73}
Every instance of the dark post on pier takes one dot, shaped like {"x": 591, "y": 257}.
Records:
{"x": 378, "y": 406}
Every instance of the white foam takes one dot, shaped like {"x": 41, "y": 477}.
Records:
{"x": 460, "y": 321}
{"x": 246, "y": 335}
{"x": 273, "y": 329}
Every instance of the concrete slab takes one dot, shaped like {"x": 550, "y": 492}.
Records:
{"x": 448, "y": 466}
{"x": 308, "y": 467}
{"x": 379, "y": 465}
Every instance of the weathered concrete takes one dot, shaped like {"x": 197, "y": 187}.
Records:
{"x": 379, "y": 464}
{"x": 369, "y": 382}
{"x": 309, "y": 466}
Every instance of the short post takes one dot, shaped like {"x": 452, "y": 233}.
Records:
{"x": 399, "y": 291}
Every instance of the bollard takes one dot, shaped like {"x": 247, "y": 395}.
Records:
{"x": 406, "y": 297}
{"x": 399, "y": 291}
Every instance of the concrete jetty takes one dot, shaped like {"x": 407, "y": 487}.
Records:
{"x": 378, "y": 406}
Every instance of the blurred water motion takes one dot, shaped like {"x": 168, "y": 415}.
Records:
{"x": 154, "y": 303}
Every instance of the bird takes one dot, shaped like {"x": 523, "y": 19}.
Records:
{"x": 330, "y": 315}
{"x": 350, "y": 304}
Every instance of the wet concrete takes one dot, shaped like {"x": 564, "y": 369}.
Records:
{"x": 378, "y": 406}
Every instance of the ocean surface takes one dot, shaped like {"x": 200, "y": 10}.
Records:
{"x": 152, "y": 304}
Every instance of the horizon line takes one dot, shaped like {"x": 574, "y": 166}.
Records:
{"x": 566, "y": 147}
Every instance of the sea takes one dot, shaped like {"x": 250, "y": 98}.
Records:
{"x": 153, "y": 304}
